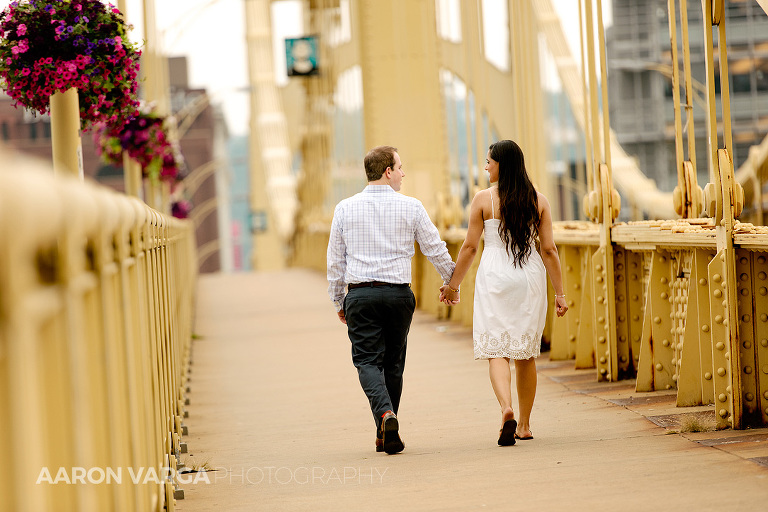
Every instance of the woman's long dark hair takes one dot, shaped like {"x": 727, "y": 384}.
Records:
{"x": 518, "y": 201}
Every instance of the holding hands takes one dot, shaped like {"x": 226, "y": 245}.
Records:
{"x": 448, "y": 295}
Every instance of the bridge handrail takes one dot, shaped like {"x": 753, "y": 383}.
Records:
{"x": 96, "y": 295}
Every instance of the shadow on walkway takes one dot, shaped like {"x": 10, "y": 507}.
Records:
{"x": 277, "y": 413}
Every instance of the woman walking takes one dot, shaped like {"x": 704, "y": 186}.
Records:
{"x": 510, "y": 304}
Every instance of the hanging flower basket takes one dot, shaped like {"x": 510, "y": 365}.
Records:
{"x": 145, "y": 138}
{"x": 181, "y": 208}
{"x": 49, "y": 46}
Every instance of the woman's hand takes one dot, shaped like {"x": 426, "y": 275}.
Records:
{"x": 560, "y": 305}
{"x": 448, "y": 296}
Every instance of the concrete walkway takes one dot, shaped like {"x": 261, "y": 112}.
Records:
{"x": 277, "y": 411}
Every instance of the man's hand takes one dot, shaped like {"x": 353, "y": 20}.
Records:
{"x": 342, "y": 317}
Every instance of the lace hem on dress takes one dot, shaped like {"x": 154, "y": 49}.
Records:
{"x": 489, "y": 347}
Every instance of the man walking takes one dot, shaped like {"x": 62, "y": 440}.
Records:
{"x": 370, "y": 249}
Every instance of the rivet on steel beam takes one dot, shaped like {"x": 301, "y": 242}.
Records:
{"x": 637, "y": 338}
{"x": 572, "y": 337}
{"x": 747, "y": 344}
{"x": 662, "y": 259}
{"x": 705, "y": 328}
{"x": 577, "y": 286}
{"x": 746, "y": 318}
{"x": 728, "y": 389}
{"x": 723, "y": 413}
{"x": 764, "y": 343}
{"x": 571, "y": 303}
{"x": 674, "y": 377}
{"x": 728, "y": 356}
{"x": 598, "y": 267}
{"x": 600, "y": 320}
{"x": 717, "y": 293}
{"x": 633, "y": 277}
{"x": 722, "y": 256}
{"x": 743, "y": 261}
{"x": 674, "y": 361}
{"x": 601, "y": 339}
{"x": 603, "y": 371}
{"x": 602, "y": 360}
{"x": 622, "y": 338}
{"x": 748, "y": 370}
{"x": 620, "y": 298}
{"x": 744, "y": 291}
{"x": 721, "y": 371}
{"x": 668, "y": 386}
{"x": 664, "y": 295}
{"x": 749, "y": 397}
{"x": 765, "y": 395}
{"x": 719, "y": 319}
{"x": 623, "y": 359}
{"x": 720, "y": 345}
{"x": 664, "y": 280}
{"x": 764, "y": 318}
{"x": 761, "y": 259}
{"x": 716, "y": 278}
{"x": 569, "y": 267}
{"x": 635, "y": 317}
{"x": 744, "y": 277}
{"x": 620, "y": 266}
{"x": 659, "y": 367}
{"x": 708, "y": 376}
{"x": 763, "y": 290}
{"x": 656, "y": 320}
{"x": 620, "y": 278}
{"x": 635, "y": 297}
{"x": 600, "y": 299}
{"x": 703, "y": 282}
{"x": 725, "y": 304}
{"x": 722, "y": 397}
{"x": 634, "y": 264}
{"x": 761, "y": 275}
{"x": 765, "y": 369}
{"x": 621, "y": 318}
{"x": 665, "y": 343}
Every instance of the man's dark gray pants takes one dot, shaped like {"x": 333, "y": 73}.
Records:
{"x": 378, "y": 321}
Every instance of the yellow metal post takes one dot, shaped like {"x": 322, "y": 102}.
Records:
{"x": 65, "y": 133}
{"x": 266, "y": 162}
{"x": 398, "y": 38}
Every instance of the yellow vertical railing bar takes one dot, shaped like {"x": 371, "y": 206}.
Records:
{"x": 689, "y": 93}
{"x": 712, "y": 138}
{"x": 597, "y": 153}
{"x": 589, "y": 155}
{"x": 676, "y": 100}
{"x": 725, "y": 89}
{"x": 106, "y": 272}
{"x": 604, "y": 90}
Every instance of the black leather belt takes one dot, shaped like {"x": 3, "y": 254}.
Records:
{"x": 371, "y": 284}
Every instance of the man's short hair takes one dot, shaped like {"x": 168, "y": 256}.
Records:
{"x": 377, "y": 160}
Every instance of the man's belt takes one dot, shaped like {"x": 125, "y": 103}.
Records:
{"x": 371, "y": 284}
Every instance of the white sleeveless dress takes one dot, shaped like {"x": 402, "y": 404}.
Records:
{"x": 510, "y": 305}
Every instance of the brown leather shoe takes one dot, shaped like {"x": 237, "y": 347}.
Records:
{"x": 390, "y": 435}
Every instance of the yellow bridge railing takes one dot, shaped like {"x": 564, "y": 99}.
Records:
{"x": 96, "y": 297}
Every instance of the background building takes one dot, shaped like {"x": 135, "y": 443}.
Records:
{"x": 640, "y": 82}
